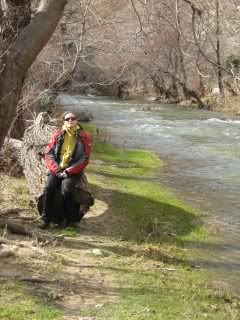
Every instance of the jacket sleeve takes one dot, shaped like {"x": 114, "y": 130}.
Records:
{"x": 84, "y": 149}
{"x": 50, "y": 157}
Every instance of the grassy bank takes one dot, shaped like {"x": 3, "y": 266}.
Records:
{"x": 152, "y": 212}
{"x": 154, "y": 280}
{"x": 142, "y": 256}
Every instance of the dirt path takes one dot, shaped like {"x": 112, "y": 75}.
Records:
{"x": 68, "y": 273}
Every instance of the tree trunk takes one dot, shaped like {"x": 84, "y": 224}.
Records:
{"x": 190, "y": 92}
{"x": 174, "y": 89}
{"x": 159, "y": 87}
{"x": 11, "y": 81}
{"x": 202, "y": 89}
{"x": 218, "y": 53}
{"x": 193, "y": 94}
{"x": 35, "y": 141}
{"x": 180, "y": 53}
{"x": 17, "y": 59}
{"x": 161, "y": 90}
{"x": 17, "y": 16}
{"x": 230, "y": 88}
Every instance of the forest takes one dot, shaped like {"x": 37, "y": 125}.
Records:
{"x": 175, "y": 51}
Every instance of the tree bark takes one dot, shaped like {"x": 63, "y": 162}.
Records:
{"x": 190, "y": 92}
{"x": 16, "y": 16}
{"x": 202, "y": 89}
{"x": 1, "y": 11}
{"x": 230, "y": 88}
{"x": 174, "y": 88}
{"x": 17, "y": 59}
{"x": 160, "y": 88}
{"x": 218, "y": 52}
{"x": 179, "y": 49}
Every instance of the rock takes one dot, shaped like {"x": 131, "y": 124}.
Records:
{"x": 7, "y": 251}
{"x": 97, "y": 252}
{"x": 149, "y": 310}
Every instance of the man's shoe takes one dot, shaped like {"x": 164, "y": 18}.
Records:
{"x": 44, "y": 225}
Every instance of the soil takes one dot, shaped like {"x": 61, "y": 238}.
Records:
{"x": 68, "y": 273}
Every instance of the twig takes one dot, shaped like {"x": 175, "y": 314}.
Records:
{"x": 168, "y": 269}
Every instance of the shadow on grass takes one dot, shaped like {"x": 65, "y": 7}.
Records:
{"x": 140, "y": 218}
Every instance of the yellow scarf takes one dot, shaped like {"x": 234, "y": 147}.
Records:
{"x": 67, "y": 146}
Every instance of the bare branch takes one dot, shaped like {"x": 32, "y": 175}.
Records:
{"x": 199, "y": 12}
{"x": 194, "y": 8}
{"x": 139, "y": 18}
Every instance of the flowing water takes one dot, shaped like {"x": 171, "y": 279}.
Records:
{"x": 202, "y": 152}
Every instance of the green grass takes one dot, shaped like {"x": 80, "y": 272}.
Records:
{"x": 151, "y": 210}
{"x": 147, "y": 266}
{"x": 19, "y": 304}
{"x": 155, "y": 295}
{"x": 153, "y": 215}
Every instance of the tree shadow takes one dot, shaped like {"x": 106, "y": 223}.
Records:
{"x": 155, "y": 220}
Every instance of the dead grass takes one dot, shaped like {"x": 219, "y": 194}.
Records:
{"x": 72, "y": 277}
{"x": 228, "y": 105}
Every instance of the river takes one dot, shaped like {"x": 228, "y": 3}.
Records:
{"x": 202, "y": 152}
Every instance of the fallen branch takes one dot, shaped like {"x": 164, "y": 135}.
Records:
{"x": 20, "y": 229}
{"x": 34, "y": 280}
{"x": 15, "y": 228}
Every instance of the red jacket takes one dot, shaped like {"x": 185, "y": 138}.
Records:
{"x": 80, "y": 156}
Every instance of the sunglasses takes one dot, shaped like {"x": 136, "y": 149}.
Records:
{"x": 70, "y": 118}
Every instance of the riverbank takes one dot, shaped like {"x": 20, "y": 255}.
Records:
{"x": 229, "y": 105}
{"x": 125, "y": 262}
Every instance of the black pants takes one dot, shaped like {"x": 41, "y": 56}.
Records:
{"x": 67, "y": 188}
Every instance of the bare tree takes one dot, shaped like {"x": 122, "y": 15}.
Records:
{"x": 214, "y": 22}
{"x": 18, "y": 54}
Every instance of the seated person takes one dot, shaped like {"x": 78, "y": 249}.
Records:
{"x": 66, "y": 157}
